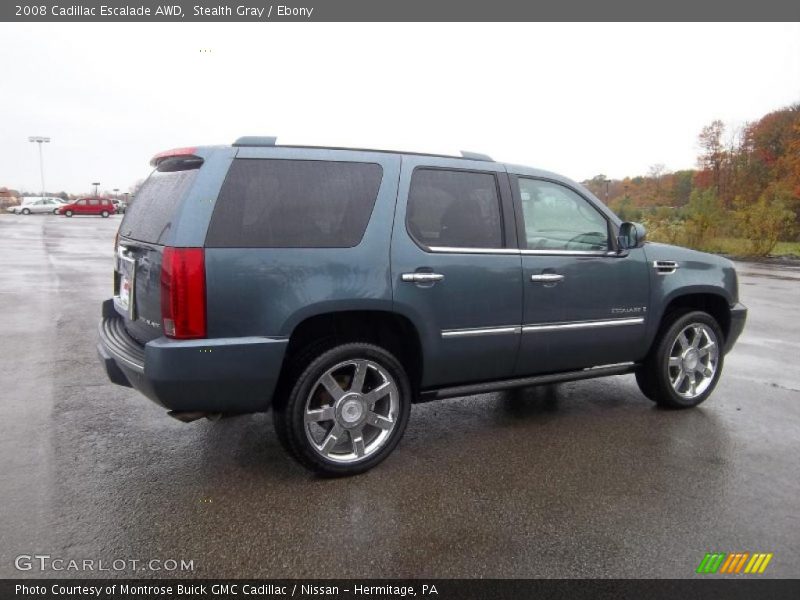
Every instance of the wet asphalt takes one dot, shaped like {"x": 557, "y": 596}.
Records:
{"x": 585, "y": 479}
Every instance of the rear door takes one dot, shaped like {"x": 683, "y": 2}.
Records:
{"x": 456, "y": 268}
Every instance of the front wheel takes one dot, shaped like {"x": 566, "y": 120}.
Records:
{"x": 104, "y": 214}
{"x": 346, "y": 411}
{"x": 26, "y": 211}
{"x": 685, "y": 364}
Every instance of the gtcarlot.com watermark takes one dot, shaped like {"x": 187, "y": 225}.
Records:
{"x": 46, "y": 562}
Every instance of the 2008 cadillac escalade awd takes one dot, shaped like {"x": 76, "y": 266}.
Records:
{"x": 338, "y": 286}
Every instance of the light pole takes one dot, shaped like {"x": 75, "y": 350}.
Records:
{"x": 40, "y": 139}
{"x": 95, "y": 184}
{"x": 116, "y": 192}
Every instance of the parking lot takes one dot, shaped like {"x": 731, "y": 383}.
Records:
{"x": 586, "y": 479}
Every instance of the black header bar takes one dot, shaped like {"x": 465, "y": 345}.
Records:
{"x": 187, "y": 11}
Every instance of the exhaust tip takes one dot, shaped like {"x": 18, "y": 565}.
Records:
{"x": 187, "y": 416}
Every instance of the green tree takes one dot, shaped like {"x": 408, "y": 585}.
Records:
{"x": 766, "y": 221}
{"x": 704, "y": 215}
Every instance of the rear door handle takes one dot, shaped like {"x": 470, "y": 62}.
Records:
{"x": 422, "y": 277}
{"x": 547, "y": 277}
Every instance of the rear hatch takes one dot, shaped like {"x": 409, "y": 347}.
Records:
{"x": 143, "y": 235}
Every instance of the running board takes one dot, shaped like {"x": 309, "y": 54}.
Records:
{"x": 507, "y": 384}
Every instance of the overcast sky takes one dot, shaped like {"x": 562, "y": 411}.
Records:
{"x": 580, "y": 99}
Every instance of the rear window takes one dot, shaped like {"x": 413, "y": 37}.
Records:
{"x": 149, "y": 216}
{"x": 267, "y": 203}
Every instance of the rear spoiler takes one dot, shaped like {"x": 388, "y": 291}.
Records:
{"x": 177, "y": 159}
{"x": 174, "y": 153}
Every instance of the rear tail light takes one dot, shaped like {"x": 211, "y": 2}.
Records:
{"x": 183, "y": 293}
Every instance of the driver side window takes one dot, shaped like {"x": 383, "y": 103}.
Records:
{"x": 556, "y": 218}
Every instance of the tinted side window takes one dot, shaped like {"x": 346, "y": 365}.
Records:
{"x": 458, "y": 209}
{"x": 294, "y": 204}
{"x": 556, "y": 218}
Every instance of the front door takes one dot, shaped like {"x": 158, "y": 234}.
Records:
{"x": 584, "y": 304}
{"x": 456, "y": 267}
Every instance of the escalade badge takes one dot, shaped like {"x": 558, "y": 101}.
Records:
{"x": 628, "y": 310}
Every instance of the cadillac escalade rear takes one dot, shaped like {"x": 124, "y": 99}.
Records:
{"x": 154, "y": 332}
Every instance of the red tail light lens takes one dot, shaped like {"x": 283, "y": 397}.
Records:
{"x": 183, "y": 293}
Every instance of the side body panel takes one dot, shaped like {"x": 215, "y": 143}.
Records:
{"x": 696, "y": 273}
{"x": 269, "y": 291}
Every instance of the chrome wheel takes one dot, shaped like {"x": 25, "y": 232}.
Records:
{"x": 351, "y": 411}
{"x": 693, "y": 360}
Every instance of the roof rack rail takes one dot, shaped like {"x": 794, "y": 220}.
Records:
{"x": 255, "y": 140}
{"x": 476, "y": 156}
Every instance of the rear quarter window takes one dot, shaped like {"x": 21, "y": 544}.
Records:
{"x": 268, "y": 203}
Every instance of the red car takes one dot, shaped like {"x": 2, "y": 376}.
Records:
{"x": 89, "y": 206}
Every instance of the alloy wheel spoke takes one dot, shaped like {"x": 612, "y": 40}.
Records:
{"x": 332, "y": 386}
{"x": 326, "y": 413}
{"x": 379, "y": 392}
{"x": 692, "y": 384}
{"x": 683, "y": 341}
{"x": 710, "y": 348}
{"x": 357, "y": 439}
{"x": 698, "y": 334}
{"x": 333, "y": 437}
{"x": 358, "y": 376}
{"x": 675, "y": 361}
{"x": 706, "y": 371}
{"x": 679, "y": 380}
{"x": 379, "y": 421}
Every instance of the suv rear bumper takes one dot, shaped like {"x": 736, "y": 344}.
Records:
{"x": 738, "y": 318}
{"x": 228, "y": 375}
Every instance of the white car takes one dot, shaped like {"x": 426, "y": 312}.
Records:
{"x": 32, "y": 206}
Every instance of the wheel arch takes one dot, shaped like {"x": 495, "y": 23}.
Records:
{"x": 390, "y": 330}
{"x": 712, "y": 301}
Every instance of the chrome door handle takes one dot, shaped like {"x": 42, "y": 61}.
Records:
{"x": 547, "y": 277}
{"x": 422, "y": 277}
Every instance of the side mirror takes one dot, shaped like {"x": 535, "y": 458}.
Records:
{"x": 631, "y": 235}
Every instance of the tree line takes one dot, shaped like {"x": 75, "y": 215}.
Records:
{"x": 743, "y": 198}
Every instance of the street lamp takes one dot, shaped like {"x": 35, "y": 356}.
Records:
{"x": 40, "y": 139}
{"x": 95, "y": 184}
{"x": 116, "y": 191}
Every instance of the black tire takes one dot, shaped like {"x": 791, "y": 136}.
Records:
{"x": 68, "y": 213}
{"x": 104, "y": 214}
{"x": 55, "y": 211}
{"x": 290, "y": 407}
{"x": 654, "y": 376}
{"x": 26, "y": 211}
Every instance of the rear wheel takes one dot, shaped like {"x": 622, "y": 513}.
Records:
{"x": 55, "y": 211}
{"x": 68, "y": 213}
{"x": 685, "y": 364}
{"x": 346, "y": 411}
{"x": 104, "y": 214}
